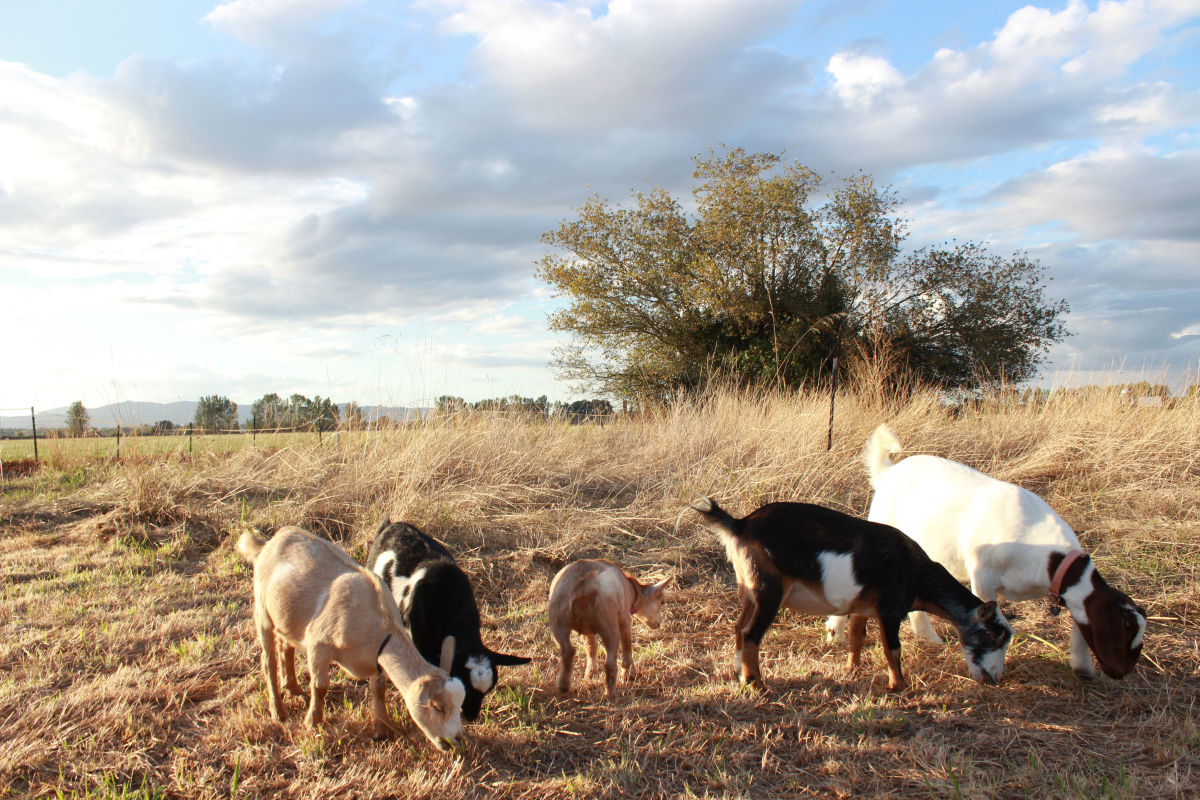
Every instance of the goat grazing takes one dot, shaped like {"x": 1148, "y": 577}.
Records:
{"x": 597, "y": 598}
{"x": 438, "y": 607}
{"x": 1007, "y": 542}
{"x": 819, "y": 561}
{"x": 308, "y": 592}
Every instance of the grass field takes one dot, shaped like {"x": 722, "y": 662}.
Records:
{"x": 63, "y": 451}
{"x": 129, "y": 668}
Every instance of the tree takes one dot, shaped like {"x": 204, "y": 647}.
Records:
{"x": 269, "y": 412}
{"x": 449, "y": 404}
{"x": 299, "y": 411}
{"x": 767, "y": 281}
{"x": 323, "y": 414}
{"x": 352, "y": 416}
{"x": 215, "y": 413}
{"x": 78, "y": 419}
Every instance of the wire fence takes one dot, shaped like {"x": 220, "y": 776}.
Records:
{"x": 40, "y": 435}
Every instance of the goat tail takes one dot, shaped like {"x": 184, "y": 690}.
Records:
{"x": 250, "y": 546}
{"x": 716, "y": 515}
{"x": 877, "y": 454}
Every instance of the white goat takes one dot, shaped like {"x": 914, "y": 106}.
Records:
{"x": 596, "y": 597}
{"x": 310, "y": 593}
{"x": 1006, "y": 541}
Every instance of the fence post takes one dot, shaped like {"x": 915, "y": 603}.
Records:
{"x": 118, "y": 441}
{"x": 832, "y": 398}
{"x": 189, "y": 441}
{"x": 254, "y": 426}
{"x": 33, "y": 419}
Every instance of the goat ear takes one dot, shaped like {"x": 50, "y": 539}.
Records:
{"x": 658, "y": 587}
{"x": 986, "y": 611}
{"x": 431, "y": 686}
{"x": 383, "y": 526}
{"x": 447, "y": 657}
{"x": 505, "y": 660}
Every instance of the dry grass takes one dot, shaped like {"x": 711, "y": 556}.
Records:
{"x": 128, "y": 666}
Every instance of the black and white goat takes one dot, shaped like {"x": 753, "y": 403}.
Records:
{"x": 1008, "y": 542}
{"x": 438, "y": 608}
{"x": 819, "y": 561}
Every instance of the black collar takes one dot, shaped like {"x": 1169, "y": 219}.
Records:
{"x": 382, "y": 645}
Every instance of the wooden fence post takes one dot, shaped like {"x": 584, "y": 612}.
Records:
{"x": 33, "y": 419}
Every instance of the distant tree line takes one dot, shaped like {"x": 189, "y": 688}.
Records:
{"x": 575, "y": 411}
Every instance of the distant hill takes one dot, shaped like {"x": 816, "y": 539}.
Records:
{"x": 130, "y": 414}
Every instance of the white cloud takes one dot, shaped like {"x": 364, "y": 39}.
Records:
{"x": 644, "y": 63}
{"x": 858, "y": 79}
{"x": 272, "y": 23}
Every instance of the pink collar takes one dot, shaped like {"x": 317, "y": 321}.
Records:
{"x": 1061, "y": 573}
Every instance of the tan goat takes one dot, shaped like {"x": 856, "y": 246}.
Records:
{"x": 597, "y": 598}
{"x": 308, "y": 592}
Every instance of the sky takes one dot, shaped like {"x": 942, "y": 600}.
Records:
{"x": 346, "y": 198}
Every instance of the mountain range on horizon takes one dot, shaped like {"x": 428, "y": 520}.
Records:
{"x": 131, "y": 414}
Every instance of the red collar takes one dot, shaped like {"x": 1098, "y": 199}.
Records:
{"x": 1061, "y": 573}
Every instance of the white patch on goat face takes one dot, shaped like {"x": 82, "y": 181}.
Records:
{"x": 1141, "y": 634}
{"x": 1074, "y": 595}
{"x": 837, "y": 580}
{"x": 382, "y": 562}
{"x": 482, "y": 674}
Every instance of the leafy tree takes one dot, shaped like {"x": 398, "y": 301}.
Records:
{"x": 215, "y": 413}
{"x": 448, "y": 404}
{"x": 352, "y": 416}
{"x": 584, "y": 410}
{"x": 323, "y": 414}
{"x": 269, "y": 412}
{"x": 770, "y": 277}
{"x": 299, "y": 411}
{"x": 164, "y": 427}
{"x": 515, "y": 402}
{"x": 78, "y": 419}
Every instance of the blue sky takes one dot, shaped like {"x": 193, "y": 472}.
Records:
{"x": 345, "y": 198}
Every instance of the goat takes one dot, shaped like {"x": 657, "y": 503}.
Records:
{"x": 597, "y": 598}
{"x": 1007, "y": 542}
{"x": 816, "y": 560}
{"x": 438, "y": 607}
{"x": 310, "y": 593}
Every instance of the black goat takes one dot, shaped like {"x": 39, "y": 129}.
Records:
{"x": 438, "y": 607}
{"x": 810, "y": 558}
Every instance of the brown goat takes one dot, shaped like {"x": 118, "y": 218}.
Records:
{"x": 597, "y": 598}
{"x": 310, "y": 593}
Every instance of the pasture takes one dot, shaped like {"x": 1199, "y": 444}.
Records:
{"x": 62, "y": 451}
{"x": 129, "y": 666}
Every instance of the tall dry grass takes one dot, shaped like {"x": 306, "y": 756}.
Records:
{"x": 128, "y": 661}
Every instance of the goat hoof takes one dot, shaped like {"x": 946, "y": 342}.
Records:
{"x": 379, "y": 732}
